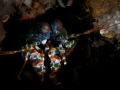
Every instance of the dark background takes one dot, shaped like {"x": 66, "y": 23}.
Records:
{"x": 88, "y": 68}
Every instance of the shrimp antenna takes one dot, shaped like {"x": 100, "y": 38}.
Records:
{"x": 25, "y": 61}
{"x": 98, "y": 27}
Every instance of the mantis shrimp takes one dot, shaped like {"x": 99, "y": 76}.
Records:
{"x": 37, "y": 56}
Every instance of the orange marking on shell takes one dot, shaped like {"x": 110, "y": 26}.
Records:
{"x": 39, "y": 62}
{"x": 53, "y": 57}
